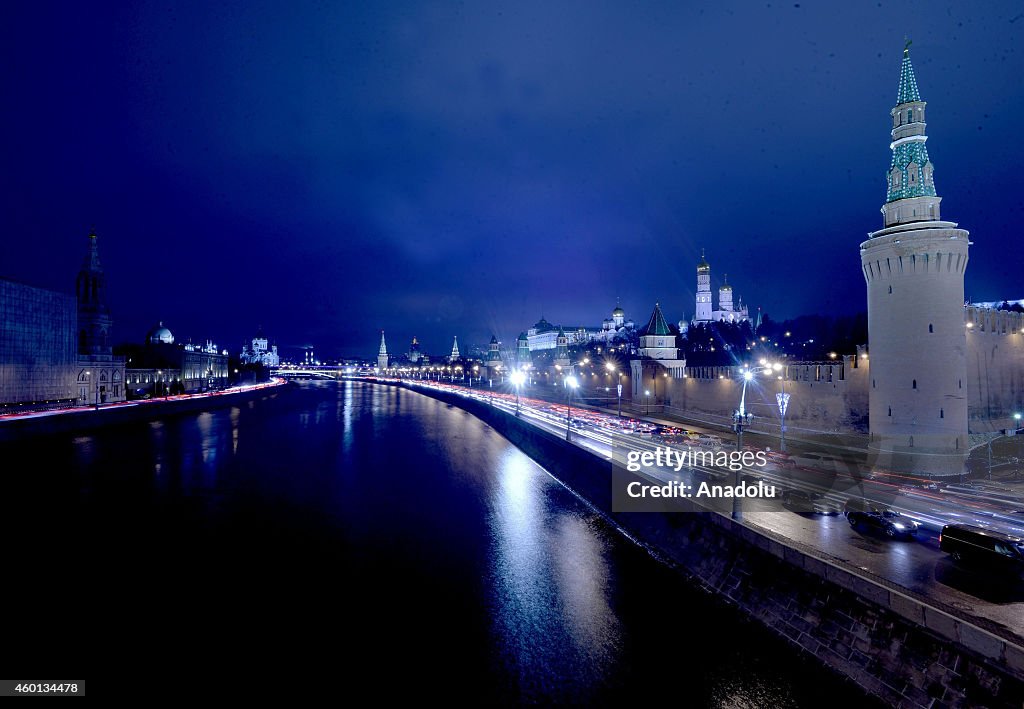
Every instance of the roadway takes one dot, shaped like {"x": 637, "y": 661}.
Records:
{"x": 915, "y": 564}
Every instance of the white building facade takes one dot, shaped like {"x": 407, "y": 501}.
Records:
{"x": 261, "y": 352}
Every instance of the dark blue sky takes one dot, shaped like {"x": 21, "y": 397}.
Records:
{"x": 440, "y": 169}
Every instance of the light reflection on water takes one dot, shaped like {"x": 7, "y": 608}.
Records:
{"x": 551, "y": 575}
{"x": 425, "y": 528}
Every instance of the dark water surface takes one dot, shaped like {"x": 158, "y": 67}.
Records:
{"x": 342, "y": 536}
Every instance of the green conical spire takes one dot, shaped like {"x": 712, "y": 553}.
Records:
{"x": 908, "y": 144}
{"x": 657, "y": 324}
{"x": 908, "y": 82}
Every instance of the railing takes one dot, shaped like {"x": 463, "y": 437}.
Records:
{"x": 27, "y": 407}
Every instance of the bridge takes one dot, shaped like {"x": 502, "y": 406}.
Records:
{"x": 320, "y": 371}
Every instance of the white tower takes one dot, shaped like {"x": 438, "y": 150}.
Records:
{"x": 725, "y": 297}
{"x": 703, "y": 310}
{"x": 914, "y": 269}
{"x": 454, "y": 356}
{"x": 382, "y": 353}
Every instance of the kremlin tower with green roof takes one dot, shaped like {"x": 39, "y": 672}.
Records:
{"x": 914, "y": 269}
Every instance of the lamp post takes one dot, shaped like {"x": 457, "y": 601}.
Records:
{"x": 740, "y": 419}
{"x": 783, "y": 400}
{"x": 647, "y": 402}
{"x": 1016, "y": 432}
{"x": 570, "y": 383}
{"x": 611, "y": 370}
{"x": 517, "y": 377}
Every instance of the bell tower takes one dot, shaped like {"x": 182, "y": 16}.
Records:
{"x": 702, "y": 313}
{"x": 94, "y": 321}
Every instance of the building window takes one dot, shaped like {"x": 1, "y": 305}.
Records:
{"x": 959, "y": 383}
{"x": 890, "y": 411}
{"x": 910, "y": 114}
{"x": 915, "y": 384}
{"x": 890, "y": 290}
{"x": 930, "y": 328}
{"x": 942, "y": 414}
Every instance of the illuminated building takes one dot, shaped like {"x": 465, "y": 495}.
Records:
{"x": 162, "y": 366}
{"x": 914, "y": 270}
{"x": 382, "y": 353}
{"x": 726, "y": 311}
{"x": 261, "y": 352}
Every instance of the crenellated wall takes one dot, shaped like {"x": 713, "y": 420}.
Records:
{"x": 832, "y": 397}
{"x": 995, "y": 367}
{"x": 824, "y": 396}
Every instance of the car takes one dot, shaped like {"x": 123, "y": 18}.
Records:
{"x": 809, "y": 503}
{"x": 874, "y": 516}
{"x": 996, "y": 550}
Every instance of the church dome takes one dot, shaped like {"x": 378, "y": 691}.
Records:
{"x": 618, "y": 312}
{"x": 702, "y": 265}
{"x": 726, "y": 287}
{"x": 160, "y": 335}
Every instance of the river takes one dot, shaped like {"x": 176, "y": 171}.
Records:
{"x": 337, "y": 534}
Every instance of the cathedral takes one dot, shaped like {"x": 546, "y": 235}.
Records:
{"x": 727, "y": 311}
{"x": 262, "y": 352}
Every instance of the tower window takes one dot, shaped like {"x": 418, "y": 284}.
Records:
{"x": 890, "y": 411}
{"x": 942, "y": 414}
{"x": 930, "y": 329}
{"x": 915, "y": 384}
{"x": 890, "y": 290}
{"x": 872, "y": 383}
{"x": 959, "y": 383}
{"x": 910, "y": 115}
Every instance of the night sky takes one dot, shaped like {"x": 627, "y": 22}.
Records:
{"x": 434, "y": 169}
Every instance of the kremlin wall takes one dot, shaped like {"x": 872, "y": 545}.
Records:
{"x": 832, "y": 397}
{"x": 935, "y": 371}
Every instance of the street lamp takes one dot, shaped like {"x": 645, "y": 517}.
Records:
{"x": 647, "y": 403}
{"x": 782, "y": 399}
{"x": 517, "y": 377}
{"x": 570, "y": 383}
{"x": 611, "y": 370}
{"x": 1016, "y": 431}
{"x": 740, "y": 419}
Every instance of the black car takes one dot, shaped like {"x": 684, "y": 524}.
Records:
{"x": 809, "y": 503}
{"x": 1002, "y": 552}
{"x": 871, "y": 515}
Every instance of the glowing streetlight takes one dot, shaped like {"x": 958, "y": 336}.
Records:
{"x": 571, "y": 382}
{"x": 517, "y": 378}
